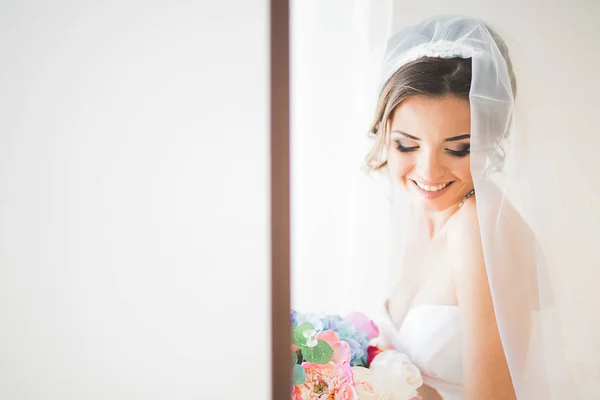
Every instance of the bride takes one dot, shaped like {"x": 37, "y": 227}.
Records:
{"x": 478, "y": 306}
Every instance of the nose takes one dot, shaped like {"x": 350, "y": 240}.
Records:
{"x": 430, "y": 166}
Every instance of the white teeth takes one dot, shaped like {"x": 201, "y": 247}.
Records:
{"x": 433, "y": 188}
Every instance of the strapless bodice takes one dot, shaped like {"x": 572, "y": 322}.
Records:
{"x": 431, "y": 337}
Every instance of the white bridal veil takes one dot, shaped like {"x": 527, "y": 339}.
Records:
{"x": 538, "y": 214}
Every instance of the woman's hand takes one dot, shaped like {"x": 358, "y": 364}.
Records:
{"x": 427, "y": 393}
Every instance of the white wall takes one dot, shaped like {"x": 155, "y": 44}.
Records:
{"x": 134, "y": 253}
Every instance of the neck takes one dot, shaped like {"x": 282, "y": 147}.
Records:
{"x": 435, "y": 221}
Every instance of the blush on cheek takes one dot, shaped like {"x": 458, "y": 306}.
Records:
{"x": 399, "y": 169}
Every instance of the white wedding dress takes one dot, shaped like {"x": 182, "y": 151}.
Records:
{"x": 431, "y": 337}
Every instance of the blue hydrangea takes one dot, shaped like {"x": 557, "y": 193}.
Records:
{"x": 311, "y": 319}
{"x": 358, "y": 341}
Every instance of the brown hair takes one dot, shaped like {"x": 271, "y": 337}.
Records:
{"x": 427, "y": 76}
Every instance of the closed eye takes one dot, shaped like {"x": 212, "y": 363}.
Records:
{"x": 404, "y": 149}
{"x": 463, "y": 152}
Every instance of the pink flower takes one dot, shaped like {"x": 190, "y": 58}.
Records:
{"x": 364, "y": 324}
{"x": 327, "y": 382}
{"x": 296, "y": 393}
{"x": 347, "y": 393}
{"x": 341, "y": 349}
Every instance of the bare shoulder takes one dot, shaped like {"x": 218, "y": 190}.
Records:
{"x": 463, "y": 231}
{"x": 464, "y": 238}
{"x": 512, "y": 236}
{"x": 464, "y": 245}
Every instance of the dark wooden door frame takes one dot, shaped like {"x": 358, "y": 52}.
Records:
{"x": 280, "y": 199}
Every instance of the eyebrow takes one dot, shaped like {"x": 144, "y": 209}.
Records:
{"x": 451, "y": 139}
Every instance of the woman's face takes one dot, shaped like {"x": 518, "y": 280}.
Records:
{"x": 429, "y": 150}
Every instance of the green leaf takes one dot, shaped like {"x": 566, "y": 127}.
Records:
{"x": 299, "y": 339}
{"x": 295, "y": 341}
{"x": 298, "y": 375}
{"x": 294, "y": 359}
{"x": 322, "y": 353}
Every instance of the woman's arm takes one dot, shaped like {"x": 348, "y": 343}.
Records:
{"x": 486, "y": 373}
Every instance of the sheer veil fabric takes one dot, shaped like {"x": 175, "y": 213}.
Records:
{"x": 537, "y": 217}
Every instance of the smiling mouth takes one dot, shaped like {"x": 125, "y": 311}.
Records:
{"x": 434, "y": 188}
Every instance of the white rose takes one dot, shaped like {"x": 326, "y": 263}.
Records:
{"x": 401, "y": 377}
{"x": 368, "y": 385}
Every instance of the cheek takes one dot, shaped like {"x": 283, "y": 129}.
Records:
{"x": 400, "y": 164}
{"x": 462, "y": 169}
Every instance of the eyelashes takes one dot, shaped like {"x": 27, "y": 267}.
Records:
{"x": 465, "y": 151}
{"x": 460, "y": 153}
{"x": 403, "y": 149}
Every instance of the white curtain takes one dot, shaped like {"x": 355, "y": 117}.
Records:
{"x": 339, "y": 216}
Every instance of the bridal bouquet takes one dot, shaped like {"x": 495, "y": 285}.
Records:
{"x": 335, "y": 358}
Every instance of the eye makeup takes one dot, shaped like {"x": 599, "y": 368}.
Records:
{"x": 404, "y": 149}
{"x": 463, "y": 151}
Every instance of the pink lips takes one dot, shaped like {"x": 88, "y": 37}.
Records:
{"x": 430, "y": 195}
